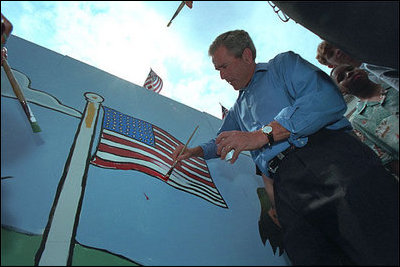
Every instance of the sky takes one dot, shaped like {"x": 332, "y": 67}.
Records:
{"x": 128, "y": 38}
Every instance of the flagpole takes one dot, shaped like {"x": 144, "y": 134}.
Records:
{"x": 182, "y": 4}
{"x": 58, "y": 239}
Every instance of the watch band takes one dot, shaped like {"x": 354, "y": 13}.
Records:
{"x": 270, "y": 138}
{"x": 267, "y": 130}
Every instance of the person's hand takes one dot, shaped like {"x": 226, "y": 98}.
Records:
{"x": 274, "y": 216}
{"x": 185, "y": 155}
{"x": 3, "y": 54}
{"x": 6, "y": 29}
{"x": 239, "y": 141}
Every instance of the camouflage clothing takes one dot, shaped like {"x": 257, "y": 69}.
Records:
{"x": 376, "y": 123}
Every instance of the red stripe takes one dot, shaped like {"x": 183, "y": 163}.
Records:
{"x": 128, "y": 166}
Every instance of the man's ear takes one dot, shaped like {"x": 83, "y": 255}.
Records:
{"x": 331, "y": 66}
{"x": 247, "y": 55}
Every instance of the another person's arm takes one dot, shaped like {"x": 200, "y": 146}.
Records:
{"x": 269, "y": 188}
{"x": 6, "y": 29}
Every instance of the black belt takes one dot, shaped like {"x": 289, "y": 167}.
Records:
{"x": 273, "y": 164}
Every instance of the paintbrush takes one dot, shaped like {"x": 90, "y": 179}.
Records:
{"x": 176, "y": 161}
{"x": 18, "y": 93}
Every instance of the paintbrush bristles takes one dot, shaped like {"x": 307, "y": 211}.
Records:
{"x": 20, "y": 96}
{"x": 169, "y": 172}
{"x": 172, "y": 167}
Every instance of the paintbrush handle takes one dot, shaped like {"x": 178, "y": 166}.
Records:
{"x": 18, "y": 93}
{"x": 187, "y": 142}
{"x": 14, "y": 84}
{"x": 176, "y": 161}
{"x": 17, "y": 89}
{"x": 176, "y": 12}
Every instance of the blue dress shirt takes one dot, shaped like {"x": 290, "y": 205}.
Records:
{"x": 292, "y": 91}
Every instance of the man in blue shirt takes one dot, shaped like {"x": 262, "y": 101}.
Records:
{"x": 289, "y": 115}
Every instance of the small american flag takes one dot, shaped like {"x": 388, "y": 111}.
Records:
{"x": 128, "y": 143}
{"x": 224, "y": 111}
{"x": 153, "y": 82}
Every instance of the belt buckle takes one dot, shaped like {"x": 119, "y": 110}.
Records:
{"x": 270, "y": 165}
{"x": 280, "y": 156}
{"x": 272, "y": 170}
{"x": 274, "y": 161}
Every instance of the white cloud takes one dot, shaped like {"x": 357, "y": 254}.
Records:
{"x": 127, "y": 38}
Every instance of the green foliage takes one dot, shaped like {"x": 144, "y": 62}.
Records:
{"x": 18, "y": 249}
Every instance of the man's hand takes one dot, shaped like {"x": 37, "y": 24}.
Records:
{"x": 3, "y": 54}
{"x": 6, "y": 29}
{"x": 274, "y": 216}
{"x": 239, "y": 141}
{"x": 188, "y": 153}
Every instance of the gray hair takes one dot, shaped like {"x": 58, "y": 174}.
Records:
{"x": 235, "y": 41}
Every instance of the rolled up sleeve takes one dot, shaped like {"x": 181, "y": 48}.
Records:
{"x": 317, "y": 102}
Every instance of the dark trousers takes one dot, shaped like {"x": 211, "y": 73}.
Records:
{"x": 337, "y": 204}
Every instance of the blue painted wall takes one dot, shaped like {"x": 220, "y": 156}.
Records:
{"x": 124, "y": 212}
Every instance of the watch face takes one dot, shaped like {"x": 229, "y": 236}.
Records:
{"x": 267, "y": 129}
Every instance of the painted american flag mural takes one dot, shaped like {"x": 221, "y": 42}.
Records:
{"x": 128, "y": 143}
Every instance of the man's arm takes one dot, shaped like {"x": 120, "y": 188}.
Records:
{"x": 316, "y": 99}
{"x": 269, "y": 188}
{"x": 246, "y": 141}
{"x": 6, "y": 29}
{"x": 188, "y": 153}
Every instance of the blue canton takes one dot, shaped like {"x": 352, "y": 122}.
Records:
{"x": 126, "y": 125}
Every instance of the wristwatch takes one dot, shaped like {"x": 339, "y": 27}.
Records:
{"x": 267, "y": 130}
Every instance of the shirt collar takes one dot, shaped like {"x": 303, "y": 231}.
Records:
{"x": 361, "y": 105}
{"x": 259, "y": 67}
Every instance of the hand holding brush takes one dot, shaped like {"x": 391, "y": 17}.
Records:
{"x": 176, "y": 161}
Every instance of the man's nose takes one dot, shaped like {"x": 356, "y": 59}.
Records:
{"x": 222, "y": 74}
{"x": 349, "y": 73}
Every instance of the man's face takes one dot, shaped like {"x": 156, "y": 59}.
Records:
{"x": 349, "y": 79}
{"x": 336, "y": 57}
{"x": 236, "y": 71}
